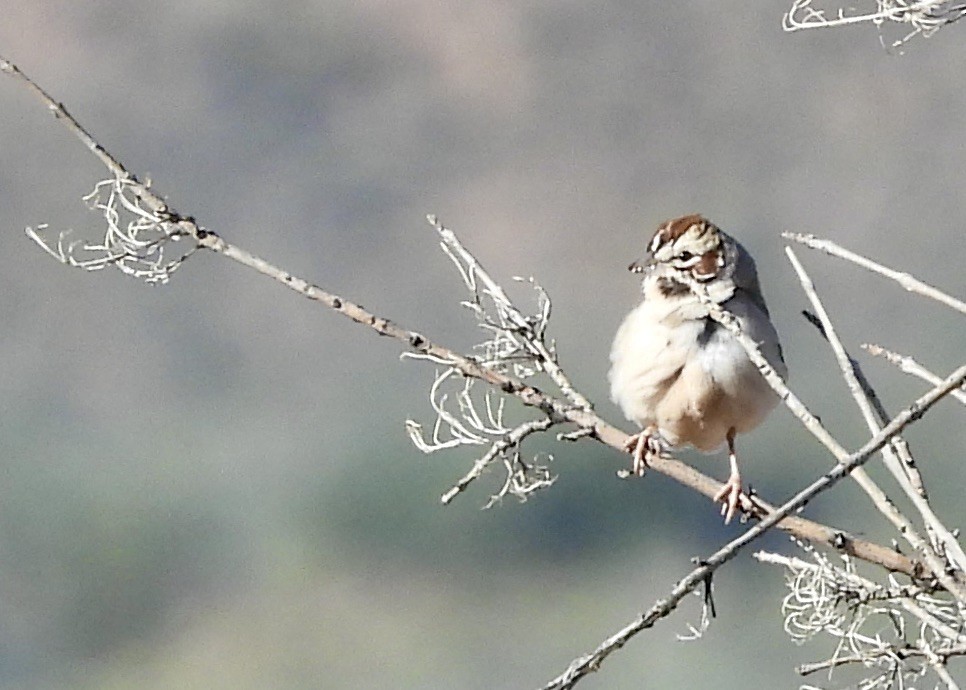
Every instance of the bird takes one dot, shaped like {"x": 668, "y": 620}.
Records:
{"x": 675, "y": 371}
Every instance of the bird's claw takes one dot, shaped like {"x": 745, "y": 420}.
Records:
{"x": 641, "y": 446}
{"x": 729, "y": 495}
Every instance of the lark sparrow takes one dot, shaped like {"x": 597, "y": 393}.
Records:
{"x": 679, "y": 374}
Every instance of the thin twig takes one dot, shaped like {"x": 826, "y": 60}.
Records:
{"x": 879, "y": 498}
{"x": 907, "y": 281}
{"x": 815, "y": 19}
{"x": 497, "y": 450}
{"x": 909, "y": 365}
{"x": 546, "y": 358}
{"x": 939, "y": 666}
{"x": 901, "y": 652}
{"x": 925, "y": 18}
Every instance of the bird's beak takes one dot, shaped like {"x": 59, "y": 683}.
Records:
{"x": 641, "y": 265}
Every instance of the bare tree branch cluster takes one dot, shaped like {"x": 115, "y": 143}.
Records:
{"x": 922, "y": 592}
{"x": 907, "y": 18}
{"x": 516, "y": 346}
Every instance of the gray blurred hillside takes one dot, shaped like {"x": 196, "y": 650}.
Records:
{"x": 208, "y": 485}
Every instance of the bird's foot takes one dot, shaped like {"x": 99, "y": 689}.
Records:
{"x": 729, "y": 495}
{"x": 642, "y": 446}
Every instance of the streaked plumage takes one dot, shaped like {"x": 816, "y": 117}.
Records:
{"x": 677, "y": 373}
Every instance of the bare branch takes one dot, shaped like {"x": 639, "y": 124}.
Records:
{"x": 909, "y": 365}
{"x": 907, "y": 281}
{"x": 950, "y": 547}
{"x": 811, "y": 422}
{"x": 519, "y": 333}
{"x": 925, "y": 17}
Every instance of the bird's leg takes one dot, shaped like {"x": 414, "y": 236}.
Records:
{"x": 642, "y": 446}
{"x": 730, "y": 493}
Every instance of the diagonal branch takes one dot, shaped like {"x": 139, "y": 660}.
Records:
{"x": 909, "y": 365}
{"x": 584, "y": 665}
{"x": 518, "y": 322}
{"x": 935, "y": 564}
{"x": 907, "y": 281}
{"x": 953, "y": 551}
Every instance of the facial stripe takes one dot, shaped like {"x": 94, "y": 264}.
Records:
{"x": 707, "y": 265}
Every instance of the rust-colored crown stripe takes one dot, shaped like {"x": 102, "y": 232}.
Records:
{"x": 671, "y": 230}
{"x": 678, "y": 226}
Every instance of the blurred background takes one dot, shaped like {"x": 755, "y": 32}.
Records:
{"x": 209, "y": 485}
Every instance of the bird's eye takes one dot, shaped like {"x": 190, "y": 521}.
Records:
{"x": 685, "y": 256}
